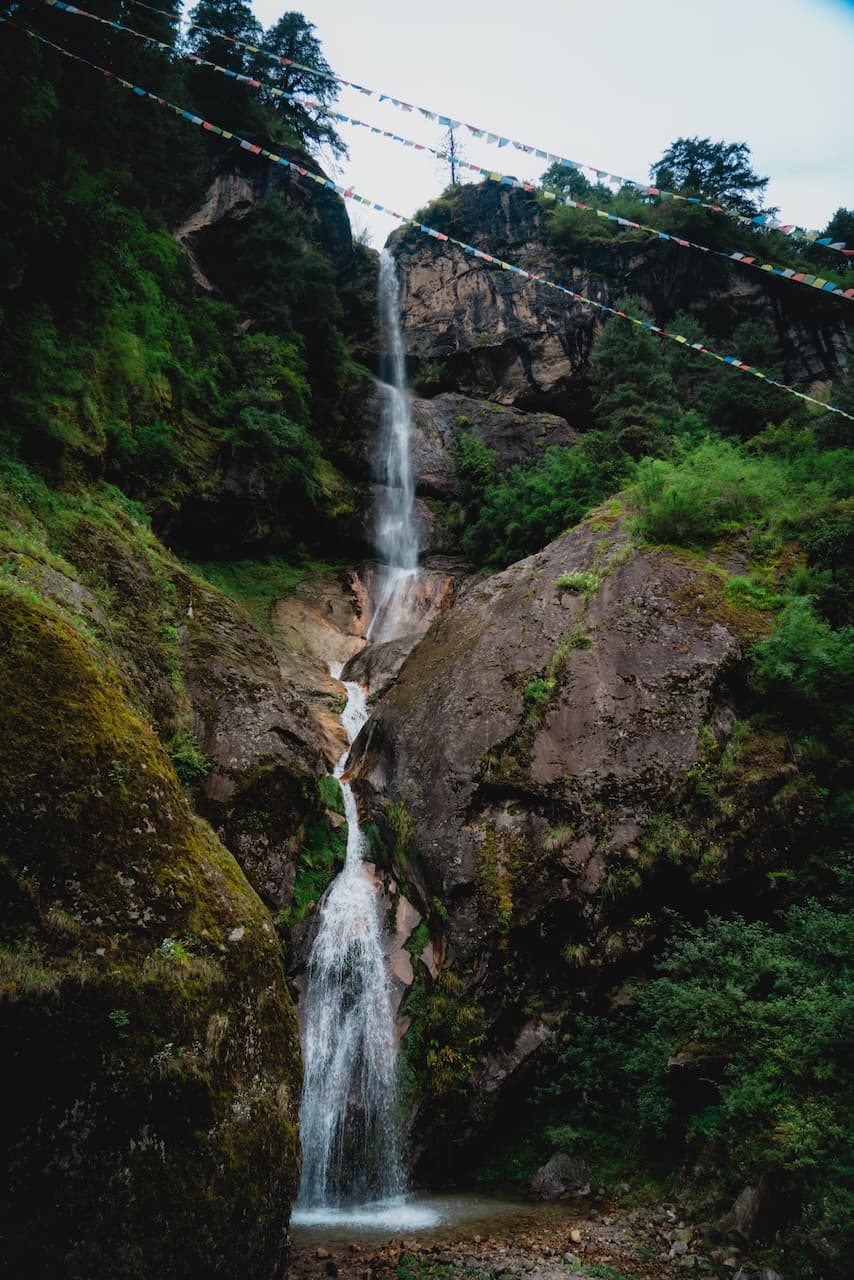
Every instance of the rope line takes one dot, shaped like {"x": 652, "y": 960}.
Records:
{"x": 770, "y": 221}
{"x": 467, "y": 249}
{"x": 742, "y": 259}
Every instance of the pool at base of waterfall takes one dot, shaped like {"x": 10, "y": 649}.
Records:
{"x": 404, "y": 1213}
{"x": 431, "y": 1216}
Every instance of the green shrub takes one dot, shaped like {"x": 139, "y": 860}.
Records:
{"x": 738, "y": 1052}
{"x": 329, "y": 789}
{"x": 715, "y": 487}
{"x": 583, "y": 583}
{"x": 806, "y": 665}
{"x": 189, "y": 761}
{"x": 528, "y": 507}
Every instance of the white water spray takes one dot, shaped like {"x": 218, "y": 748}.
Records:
{"x": 396, "y": 529}
{"x": 348, "y": 1114}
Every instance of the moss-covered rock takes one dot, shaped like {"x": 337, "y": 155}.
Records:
{"x": 151, "y": 1061}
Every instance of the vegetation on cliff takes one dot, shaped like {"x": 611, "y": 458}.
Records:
{"x": 204, "y": 408}
{"x": 725, "y": 1063}
{"x": 153, "y": 1046}
{"x": 151, "y": 1042}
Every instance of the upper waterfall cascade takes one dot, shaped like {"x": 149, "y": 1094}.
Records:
{"x": 396, "y": 529}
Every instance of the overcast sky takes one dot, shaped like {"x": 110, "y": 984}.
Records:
{"x": 607, "y": 82}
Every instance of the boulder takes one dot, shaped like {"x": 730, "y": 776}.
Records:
{"x": 150, "y": 1042}
{"x": 559, "y": 1177}
{"x": 256, "y": 728}
{"x": 540, "y": 739}
{"x": 757, "y": 1213}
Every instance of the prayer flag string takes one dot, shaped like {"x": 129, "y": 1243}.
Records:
{"x": 742, "y": 259}
{"x": 767, "y": 220}
{"x": 467, "y": 249}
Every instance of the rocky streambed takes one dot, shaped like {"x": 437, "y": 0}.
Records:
{"x": 573, "y": 1240}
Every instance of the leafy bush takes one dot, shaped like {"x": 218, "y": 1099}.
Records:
{"x": 189, "y": 761}
{"x": 523, "y": 510}
{"x": 740, "y": 1049}
{"x": 715, "y": 486}
{"x": 583, "y": 583}
{"x": 807, "y": 666}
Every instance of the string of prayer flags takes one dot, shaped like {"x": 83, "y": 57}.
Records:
{"x": 742, "y": 259}
{"x": 467, "y": 249}
{"x": 796, "y": 277}
{"x": 767, "y": 220}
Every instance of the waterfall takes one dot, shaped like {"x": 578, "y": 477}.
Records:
{"x": 348, "y": 1114}
{"x": 349, "y": 1109}
{"x": 396, "y": 533}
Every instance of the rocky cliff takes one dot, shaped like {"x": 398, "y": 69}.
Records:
{"x": 439, "y": 425}
{"x": 476, "y": 329}
{"x": 153, "y": 1051}
{"x": 208, "y": 233}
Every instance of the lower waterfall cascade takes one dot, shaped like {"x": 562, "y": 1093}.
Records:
{"x": 349, "y": 1116}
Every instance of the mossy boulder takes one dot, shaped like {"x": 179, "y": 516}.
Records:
{"x": 151, "y": 1060}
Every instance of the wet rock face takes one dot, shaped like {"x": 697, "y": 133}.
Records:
{"x": 493, "y": 338}
{"x": 150, "y": 1044}
{"x": 624, "y": 683}
{"x": 497, "y": 337}
{"x": 516, "y": 437}
{"x": 545, "y": 721}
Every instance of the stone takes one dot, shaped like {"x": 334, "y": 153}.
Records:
{"x": 575, "y": 1235}
{"x": 266, "y": 753}
{"x": 513, "y": 811}
{"x": 757, "y": 1213}
{"x": 560, "y": 1175}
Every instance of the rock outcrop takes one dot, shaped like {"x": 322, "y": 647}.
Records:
{"x": 151, "y": 1057}
{"x": 264, "y": 747}
{"x": 438, "y": 424}
{"x": 486, "y": 333}
{"x": 540, "y": 739}
{"x": 560, "y": 1176}
{"x": 206, "y": 233}
{"x": 514, "y": 436}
